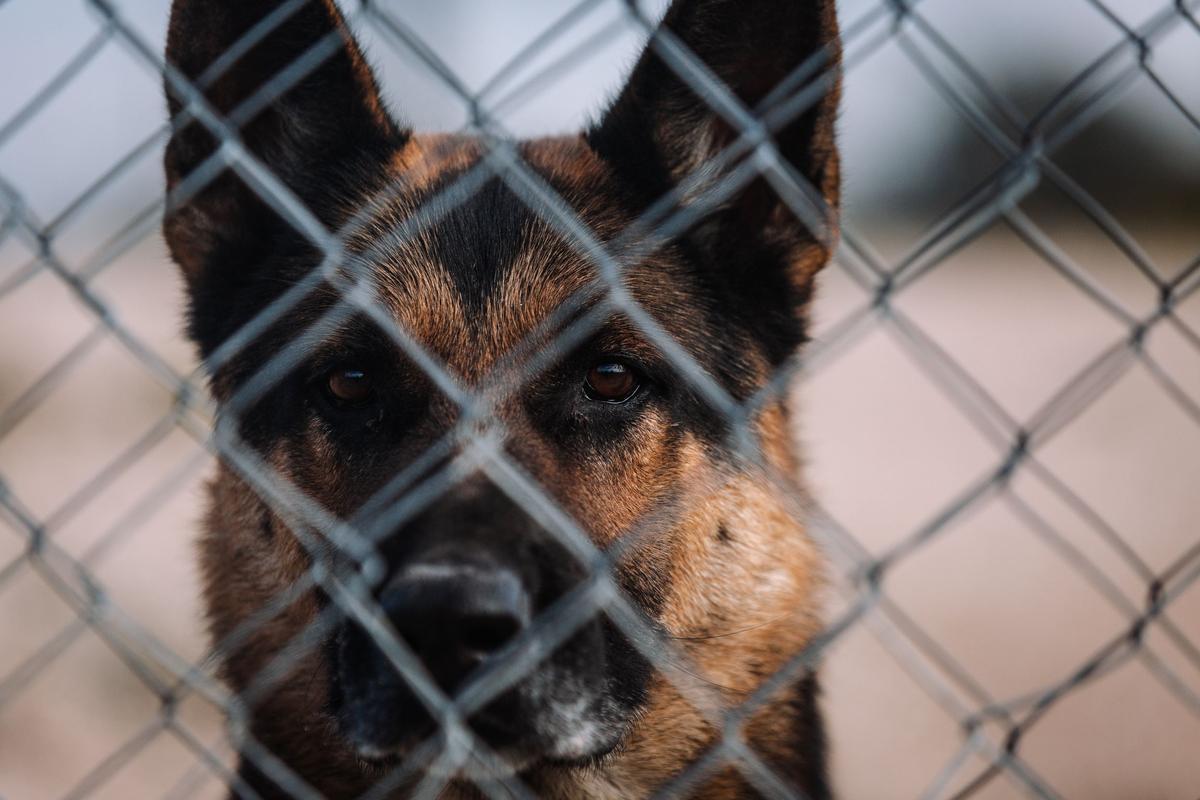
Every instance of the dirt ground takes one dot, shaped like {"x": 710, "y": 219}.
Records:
{"x": 997, "y": 588}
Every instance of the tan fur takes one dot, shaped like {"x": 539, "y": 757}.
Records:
{"x": 719, "y": 538}
{"x": 740, "y": 608}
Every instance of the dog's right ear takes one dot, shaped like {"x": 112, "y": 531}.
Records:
{"x": 323, "y": 129}
{"x": 665, "y": 132}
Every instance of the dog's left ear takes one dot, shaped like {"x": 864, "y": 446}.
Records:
{"x": 768, "y": 53}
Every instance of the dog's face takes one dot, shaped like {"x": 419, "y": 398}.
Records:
{"x": 495, "y": 381}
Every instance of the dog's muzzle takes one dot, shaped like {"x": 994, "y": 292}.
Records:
{"x": 459, "y": 618}
{"x": 460, "y": 603}
{"x": 453, "y": 617}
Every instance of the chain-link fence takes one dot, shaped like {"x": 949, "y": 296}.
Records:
{"x": 1108, "y": 520}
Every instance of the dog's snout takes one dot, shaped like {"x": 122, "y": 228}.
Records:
{"x": 455, "y": 615}
{"x": 464, "y": 581}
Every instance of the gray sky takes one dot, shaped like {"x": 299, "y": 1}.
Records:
{"x": 893, "y": 124}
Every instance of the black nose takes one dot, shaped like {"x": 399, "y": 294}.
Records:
{"x": 454, "y": 615}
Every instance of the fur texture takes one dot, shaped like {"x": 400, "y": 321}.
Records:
{"x": 710, "y": 545}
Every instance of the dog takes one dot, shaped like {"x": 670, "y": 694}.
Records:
{"x": 283, "y": 145}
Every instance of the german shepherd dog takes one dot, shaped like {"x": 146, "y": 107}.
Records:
{"x": 703, "y": 542}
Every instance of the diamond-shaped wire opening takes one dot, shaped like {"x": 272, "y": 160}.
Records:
{"x": 1138, "y": 426}
{"x": 70, "y": 723}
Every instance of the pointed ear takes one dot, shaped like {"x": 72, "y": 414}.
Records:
{"x": 322, "y": 127}
{"x": 780, "y": 58}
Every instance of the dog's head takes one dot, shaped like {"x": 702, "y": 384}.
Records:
{"x": 493, "y": 361}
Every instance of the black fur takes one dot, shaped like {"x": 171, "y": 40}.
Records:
{"x": 740, "y": 300}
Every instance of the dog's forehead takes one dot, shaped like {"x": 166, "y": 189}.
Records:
{"x": 471, "y": 262}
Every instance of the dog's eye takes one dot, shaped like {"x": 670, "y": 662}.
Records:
{"x": 349, "y": 386}
{"x": 610, "y": 382}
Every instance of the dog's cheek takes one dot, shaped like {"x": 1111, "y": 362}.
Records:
{"x": 611, "y": 489}
{"x": 337, "y": 477}
{"x": 646, "y": 504}
{"x": 249, "y": 560}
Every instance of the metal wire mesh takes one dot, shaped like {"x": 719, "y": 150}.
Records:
{"x": 993, "y": 729}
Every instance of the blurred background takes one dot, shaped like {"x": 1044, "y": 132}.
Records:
{"x": 1001, "y": 604}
